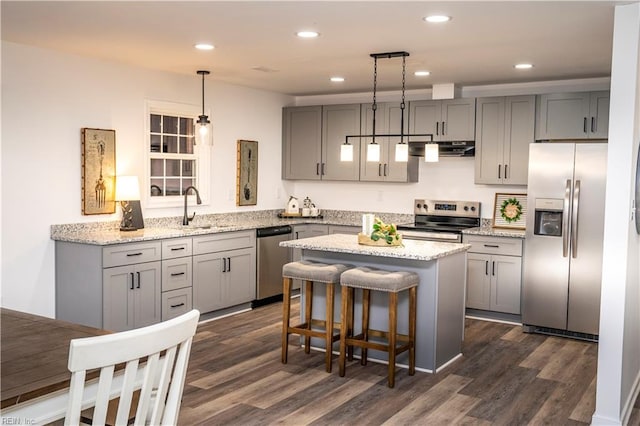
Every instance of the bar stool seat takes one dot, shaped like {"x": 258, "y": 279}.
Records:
{"x": 311, "y": 272}
{"x": 391, "y": 282}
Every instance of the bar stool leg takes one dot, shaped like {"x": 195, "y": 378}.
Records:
{"x": 412, "y": 330}
{"x": 344, "y": 328}
{"x": 286, "y": 312}
{"x": 393, "y": 326}
{"x": 307, "y": 313}
{"x": 366, "y": 304}
{"x": 329, "y": 326}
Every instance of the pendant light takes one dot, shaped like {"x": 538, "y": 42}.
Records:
{"x": 402, "y": 149}
{"x": 373, "y": 149}
{"x": 346, "y": 152}
{"x": 431, "y": 153}
{"x": 203, "y": 120}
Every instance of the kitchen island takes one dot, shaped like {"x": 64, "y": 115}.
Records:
{"x": 441, "y": 293}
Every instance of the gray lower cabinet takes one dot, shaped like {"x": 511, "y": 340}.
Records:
{"x": 505, "y": 127}
{"x": 578, "y": 115}
{"x": 494, "y": 273}
{"x": 344, "y": 229}
{"x": 177, "y": 277}
{"x": 224, "y": 270}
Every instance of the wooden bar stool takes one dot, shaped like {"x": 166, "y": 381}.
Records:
{"x": 311, "y": 272}
{"x": 392, "y": 282}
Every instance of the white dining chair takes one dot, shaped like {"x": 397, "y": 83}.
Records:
{"x": 155, "y": 358}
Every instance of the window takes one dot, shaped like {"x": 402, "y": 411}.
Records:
{"x": 174, "y": 160}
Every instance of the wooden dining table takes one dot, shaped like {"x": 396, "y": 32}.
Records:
{"x": 34, "y": 353}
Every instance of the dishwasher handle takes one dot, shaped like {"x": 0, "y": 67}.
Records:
{"x": 273, "y": 230}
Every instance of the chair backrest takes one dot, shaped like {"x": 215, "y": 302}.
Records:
{"x": 155, "y": 359}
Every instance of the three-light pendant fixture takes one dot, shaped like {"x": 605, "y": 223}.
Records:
{"x": 401, "y": 148}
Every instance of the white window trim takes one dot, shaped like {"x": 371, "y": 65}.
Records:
{"x": 202, "y": 151}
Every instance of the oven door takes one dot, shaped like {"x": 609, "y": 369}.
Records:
{"x": 448, "y": 237}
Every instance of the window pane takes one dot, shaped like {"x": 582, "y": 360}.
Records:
{"x": 173, "y": 168}
{"x": 155, "y": 123}
{"x": 156, "y": 187}
{"x": 157, "y": 167}
{"x": 187, "y": 167}
{"x": 170, "y": 144}
{"x": 170, "y": 124}
{"x": 173, "y": 186}
{"x": 186, "y": 145}
{"x": 186, "y": 126}
{"x": 155, "y": 143}
{"x": 187, "y": 183}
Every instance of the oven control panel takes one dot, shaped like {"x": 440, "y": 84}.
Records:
{"x": 446, "y": 208}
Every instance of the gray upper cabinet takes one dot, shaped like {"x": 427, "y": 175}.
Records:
{"x": 504, "y": 129}
{"x": 302, "y": 141}
{"x": 339, "y": 121}
{"x": 446, "y": 120}
{"x": 580, "y": 115}
{"x": 388, "y": 117}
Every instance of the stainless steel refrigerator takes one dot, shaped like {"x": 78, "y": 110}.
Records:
{"x": 563, "y": 245}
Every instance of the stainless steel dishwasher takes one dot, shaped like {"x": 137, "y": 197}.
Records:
{"x": 271, "y": 257}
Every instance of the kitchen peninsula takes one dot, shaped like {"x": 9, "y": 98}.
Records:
{"x": 441, "y": 293}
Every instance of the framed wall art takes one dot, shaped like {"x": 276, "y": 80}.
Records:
{"x": 247, "y": 173}
{"x": 98, "y": 171}
{"x": 510, "y": 211}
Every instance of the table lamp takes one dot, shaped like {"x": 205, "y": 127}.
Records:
{"x": 127, "y": 189}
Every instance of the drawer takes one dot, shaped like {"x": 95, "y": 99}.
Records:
{"x": 494, "y": 245}
{"x": 129, "y": 254}
{"x": 177, "y": 273}
{"x": 176, "y": 303}
{"x": 224, "y": 241}
{"x": 176, "y": 247}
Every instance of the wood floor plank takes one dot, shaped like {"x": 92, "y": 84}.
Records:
{"x": 587, "y": 405}
{"x": 452, "y": 411}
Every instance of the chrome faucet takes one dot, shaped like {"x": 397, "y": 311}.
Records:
{"x": 186, "y": 219}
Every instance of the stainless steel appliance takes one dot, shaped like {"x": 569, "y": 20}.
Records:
{"x": 563, "y": 245}
{"x": 441, "y": 220}
{"x": 270, "y": 258}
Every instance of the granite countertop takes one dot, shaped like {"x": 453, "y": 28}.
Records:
{"x": 490, "y": 231}
{"x": 342, "y": 243}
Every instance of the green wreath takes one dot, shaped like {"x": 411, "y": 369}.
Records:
{"x": 511, "y": 210}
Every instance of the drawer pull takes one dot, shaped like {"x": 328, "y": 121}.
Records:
{"x": 178, "y": 305}
{"x": 134, "y": 254}
{"x": 177, "y": 248}
{"x": 492, "y": 245}
{"x": 177, "y": 274}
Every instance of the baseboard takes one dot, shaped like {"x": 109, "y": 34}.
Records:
{"x": 628, "y": 405}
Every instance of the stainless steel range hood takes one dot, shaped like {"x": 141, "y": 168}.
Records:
{"x": 446, "y": 149}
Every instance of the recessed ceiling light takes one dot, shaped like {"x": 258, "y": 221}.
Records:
{"x": 307, "y": 34}
{"x": 204, "y": 46}
{"x": 421, "y": 73}
{"x": 523, "y": 66}
{"x": 437, "y": 18}
{"x": 337, "y": 79}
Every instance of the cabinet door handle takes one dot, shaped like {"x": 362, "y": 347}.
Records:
{"x": 437, "y": 127}
{"x": 178, "y": 305}
{"x": 593, "y": 124}
{"x": 297, "y": 237}
{"x": 134, "y": 254}
{"x": 229, "y": 264}
{"x": 318, "y": 169}
{"x": 584, "y": 125}
{"x": 177, "y": 248}
{"x": 499, "y": 171}
{"x": 443, "y": 129}
{"x": 493, "y": 268}
{"x": 486, "y": 267}
{"x": 322, "y": 169}
{"x": 177, "y": 274}
{"x": 224, "y": 264}
{"x": 492, "y": 245}
{"x": 385, "y": 169}
{"x": 131, "y": 281}
{"x": 379, "y": 169}
{"x": 505, "y": 171}
{"x": 138, "y": 273}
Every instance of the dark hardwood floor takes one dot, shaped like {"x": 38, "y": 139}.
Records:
{"x": 505, "y": 377}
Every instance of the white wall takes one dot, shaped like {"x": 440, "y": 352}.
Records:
{"x": 619, "y": 348}
{"x": 47, "y": 97}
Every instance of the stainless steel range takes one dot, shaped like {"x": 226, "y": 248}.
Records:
{"x": 441, "y": 220}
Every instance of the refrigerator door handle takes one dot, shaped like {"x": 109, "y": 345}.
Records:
{"x": 574, "y": 220}
{"x": 565, "y": 219}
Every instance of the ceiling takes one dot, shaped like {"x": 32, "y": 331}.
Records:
{"x": 256, "y": 44}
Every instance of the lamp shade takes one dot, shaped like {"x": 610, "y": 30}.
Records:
{"x": 402, "y": 152}
{"x": 431, "y": 153}
{"x": 127, "y": 188}
{"x": 346, "y": 152}
{"x": 373, "y": 152}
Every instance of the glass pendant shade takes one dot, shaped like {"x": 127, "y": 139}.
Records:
{"x": 431, "y": 153}
{"x": 373, "y": 152}
{"x": 402, "y": 152}
{"x": 346, "y": 152}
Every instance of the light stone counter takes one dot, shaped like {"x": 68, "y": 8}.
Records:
{"x": 490, "y": 231}
{"x": 441, "y": 292}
